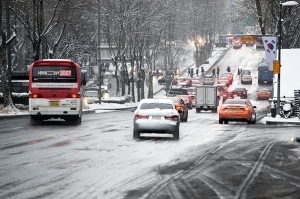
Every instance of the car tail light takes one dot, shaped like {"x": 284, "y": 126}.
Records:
{"x": 244, "y": 92}
{"x": 235, "y": 95}
{"x": 138, "y": 116}
{"x": 35, "y": 95}
{"x": 245, "y": 108}
{"x": 224, "y": 95}
{"x": 171, "y": 117}
{"x": 73, "y": 95}
{"x": 223, "y": 108}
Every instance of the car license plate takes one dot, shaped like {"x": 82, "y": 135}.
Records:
{"x": 156, "y": 117}
{"x": 204, "y": 106}
{"x": 54, "y": 103}
{"x": 233, "y": 110}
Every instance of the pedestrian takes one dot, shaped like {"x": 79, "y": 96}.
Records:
{"x": 197, "y": 72}
{"x": 238, "y": 72}
{"x": 192, "y": 73}
{"x": 218, "y": 71}
{"x": 189, "y": 71}
{"x": 214, "y": 72}
{"x": 202, "y": 71}
{"x": 228, "y": 69}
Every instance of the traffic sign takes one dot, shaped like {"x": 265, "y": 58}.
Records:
{"x": 276, "y": 67}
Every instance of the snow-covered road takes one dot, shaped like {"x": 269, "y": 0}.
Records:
{"x": 100, "y": 158}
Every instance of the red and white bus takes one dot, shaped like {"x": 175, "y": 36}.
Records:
{"x": 55, "y": 90}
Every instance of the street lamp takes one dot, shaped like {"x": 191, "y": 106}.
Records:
{"x": 288, "y": 3}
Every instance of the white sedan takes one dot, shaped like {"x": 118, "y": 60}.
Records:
{"x": 156, "y": 116}
{"x": 90, "y": 97}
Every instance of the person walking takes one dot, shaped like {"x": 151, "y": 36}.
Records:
{"x": 192, "y": 73}
{"x": 189, "y": 71}
{"x": 214, "y": 72}
{"x": 197, "y": 72}
{"x": 218, "y": 71}
{"x": 228, "y": 69}
{"x": 202, "y": 71}
{"x": 238, "y": 73}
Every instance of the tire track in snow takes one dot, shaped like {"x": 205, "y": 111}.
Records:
{"x": 241, "y": 193}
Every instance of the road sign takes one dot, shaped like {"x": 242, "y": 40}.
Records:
{"x": 276, "y": 67}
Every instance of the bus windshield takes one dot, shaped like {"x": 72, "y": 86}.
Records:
{"x": 57, "y": 74}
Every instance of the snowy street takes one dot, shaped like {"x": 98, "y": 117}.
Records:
{"x": 101, "y": 159}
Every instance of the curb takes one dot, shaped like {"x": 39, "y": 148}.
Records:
{"x": 3, "y": 117}
{"x": 278, "y": 123}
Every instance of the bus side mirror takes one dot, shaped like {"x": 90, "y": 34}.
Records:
{"x": 83, "y": 82}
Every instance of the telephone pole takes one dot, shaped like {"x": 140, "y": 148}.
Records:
{"x": 99, "y": 54}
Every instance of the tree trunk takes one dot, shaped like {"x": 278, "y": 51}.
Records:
{"x": 143, "y": 85}
{"x": 260, "y": 20}
{"x": 150, "y": 84}
{"x": 132, "y": 82}
{"x": 7, "y": 100}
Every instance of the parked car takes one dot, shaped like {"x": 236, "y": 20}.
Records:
{"x": 263, "y": 93}
{"x": 161, "y": 80}
{"x": 241, "y": 92}
{"x": 180, "y": 107}
{"x": 237, "y": 110}
{"x": 156, "y": 116}
{"x": 208, "y": 80}
{"x": 228, "y": 95}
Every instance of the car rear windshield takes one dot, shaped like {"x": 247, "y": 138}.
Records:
{"x": 91, "y": 94}
{"x": 183, "y": 91}
{"x": 239, "y": 89}
{"x": 156, "y": 105}
{"x": 242, "y": 102}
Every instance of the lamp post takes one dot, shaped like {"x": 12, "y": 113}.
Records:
{"x": 288, "y": 3}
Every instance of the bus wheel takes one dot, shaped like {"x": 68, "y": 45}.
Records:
{"x": 34, "y": 121}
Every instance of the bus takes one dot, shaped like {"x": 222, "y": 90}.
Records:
{"x": 55, "y": 91}
{"x": 265, "y": 75}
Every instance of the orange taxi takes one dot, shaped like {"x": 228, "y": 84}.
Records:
{"x": 237, "y": 109}
{"x": 263, "y": 93}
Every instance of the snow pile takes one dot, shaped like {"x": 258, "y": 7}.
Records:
{"x": 111, "y": 106}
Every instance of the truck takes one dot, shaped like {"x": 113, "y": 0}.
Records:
{"x": 206, "y": 98}
{"x": 265, "y": 75}
{"x": 248, "y": 40}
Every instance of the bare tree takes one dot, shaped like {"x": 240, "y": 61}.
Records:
{"x": 8, "y": 103}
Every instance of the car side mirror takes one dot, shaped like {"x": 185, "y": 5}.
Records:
{"x": 133, "y": 109}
